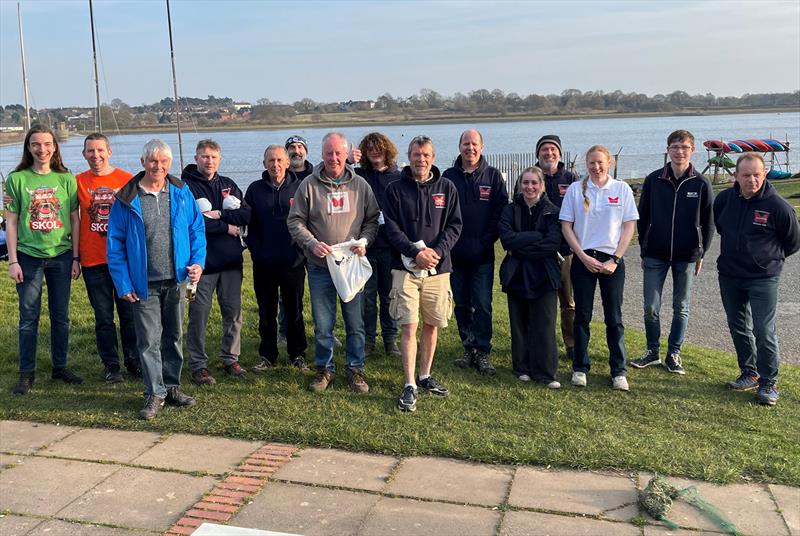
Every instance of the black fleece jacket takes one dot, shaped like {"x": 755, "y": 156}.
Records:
{"x": 268, "y": 237}
{"x": 224, "y": 252}
{"x": 379, "y": 181}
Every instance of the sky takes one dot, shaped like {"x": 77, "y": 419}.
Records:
{"x": 343, "y": 50}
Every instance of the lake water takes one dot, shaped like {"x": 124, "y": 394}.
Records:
{"x": 642, "y": 141}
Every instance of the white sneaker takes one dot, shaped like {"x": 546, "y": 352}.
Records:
{"x": 620, "y": 383}
{"x": 579, "y": 379}
{"x": 524, "y": 378}
{"x": 554, "y": 385}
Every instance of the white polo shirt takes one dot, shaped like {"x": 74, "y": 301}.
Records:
{"x": 600, "y": 227}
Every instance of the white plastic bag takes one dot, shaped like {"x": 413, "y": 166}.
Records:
{"x": 348, "y": 270}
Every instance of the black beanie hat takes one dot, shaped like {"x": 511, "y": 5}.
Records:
{"x": 549, "y": 138}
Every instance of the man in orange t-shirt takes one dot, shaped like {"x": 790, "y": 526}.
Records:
{"x": 97, "y": 188}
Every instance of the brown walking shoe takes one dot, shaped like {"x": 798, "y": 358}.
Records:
{"x": 358, "y": 382}
{"x": 321, "y": 380}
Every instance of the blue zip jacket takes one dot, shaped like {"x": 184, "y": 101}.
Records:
{"x": 126, "y": 245}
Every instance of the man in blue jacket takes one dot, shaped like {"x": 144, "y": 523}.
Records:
{"x": 759, "y": 229}
{"x": 482, "y": 195}
{"x": 225, "y": 213}
{"x": 156, "y": 241}
{"x": 675, "y": 231}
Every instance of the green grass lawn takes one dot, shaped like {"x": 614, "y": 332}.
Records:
{"x": 688, "y": 426}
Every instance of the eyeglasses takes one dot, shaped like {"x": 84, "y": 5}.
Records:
{"x": 678, "y": 148}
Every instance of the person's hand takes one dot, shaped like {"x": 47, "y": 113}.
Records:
{"x": 76, "y": 269}
{"x": 321, "y": 249}
{"x": 233, "y": 230}
{"x": 698, "y": 266}
{"x": 15, "y": 272}
{"x": 427, "y": 259}
{"x": 213, "y": 214}
{"x": 355, "y": 155}
{"x": 359, "y": 250}
{"x": 131, "y": 297}
{"x": 593, "y": 265}
{"x": 609, "y": 267}
{"x": 6, "y": 200}
{"x": 195, "y": 271}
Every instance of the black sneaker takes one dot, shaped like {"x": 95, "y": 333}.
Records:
{"x": 408, "y": 400}
{"x": 152, "y": 405}
{"x": 745, "y": 382}
{"x": 433, "y": 387}
{"x": 299, "y": 362}
{"x": 483, "y": 364}
{"x": 767, "y": 395}
{"x": 113, "y": 376}
{"x": 23, "y": 385}
{"x": 176, "y": 397}
{"x": 369, "y": 349}
{"x": 66, "y": 376}
{"x": 262, "y": 366}
{"x": 673, "y": 364}
{"x": 467, "y": 360}
{"x": 649, "y": 358}
{"x": 392, "y": 349}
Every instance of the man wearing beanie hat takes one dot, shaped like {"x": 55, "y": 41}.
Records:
{"x": 297, "y": 147}
{"x": 556, "y": 180}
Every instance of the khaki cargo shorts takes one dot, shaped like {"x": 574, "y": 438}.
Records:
{"x": 431, "y": 295}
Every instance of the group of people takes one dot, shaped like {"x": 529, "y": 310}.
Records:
{"x": 144, "y": 242}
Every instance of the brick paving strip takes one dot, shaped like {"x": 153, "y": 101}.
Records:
{"x": 236, "y": 490}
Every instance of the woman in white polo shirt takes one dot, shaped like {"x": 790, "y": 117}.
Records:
{"x": 598, "y": 218}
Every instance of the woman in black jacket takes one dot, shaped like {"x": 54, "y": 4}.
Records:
{"x": 531, "y": 235}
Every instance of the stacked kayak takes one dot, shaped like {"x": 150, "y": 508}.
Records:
{"x": 749, "y": 145}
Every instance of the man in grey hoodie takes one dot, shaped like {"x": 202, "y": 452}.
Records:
{"x": 332, "y": 205}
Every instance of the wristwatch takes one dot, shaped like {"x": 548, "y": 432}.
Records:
{"x": 615, "y": 259}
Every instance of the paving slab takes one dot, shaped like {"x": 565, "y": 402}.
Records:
{"x": 538, "y": 524}
{"x": 28, "y": 437}
{"x": 65, "y": 528}
{"x": 10, "y": 460}
{"x": 215, "y": 455}
{"x": 451, "y": 480}
{"x": 788, "y": 500}
{"x": 43, "y": 486}
{"x": 578, "y": 492}
{"x": 626, "y": 513}
{"x": 139, "y": 498}
{"x": 11, "y": 525}
{"x": 212, "y": 529}
{"x": 748, "y": 506}
{"x": 306, "y": 510}
{"x": 409, "y": 516}
{"x": 664, "y": 531}
{"x": 330, "y": 467}
{"x": 103, "y": 445}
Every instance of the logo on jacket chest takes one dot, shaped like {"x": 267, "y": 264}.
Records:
{"x": 485, "y": 192}
{"x": 613, "y": 200}
{"x": 693, "y": 194}
{"x": 338, "y": 202}
{"x": 438, "y": 200}
{"x": 760, "y": 217}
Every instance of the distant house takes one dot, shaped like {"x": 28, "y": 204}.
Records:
{"x": 242, "y": 106}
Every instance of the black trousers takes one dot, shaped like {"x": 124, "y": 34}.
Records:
{"x": 533, "y": 336}
{"x": 291, "y": 282}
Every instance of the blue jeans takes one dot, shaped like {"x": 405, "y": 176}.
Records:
{"x": 56, "y": 272}
{"x": 159, "y": 324}
{"x": 380, "y": 284}
{"x": 612, "y": 286}
{"x": 750, "y": 307}
{"x": 103, "y": 297}
{"x": 323, "y": 310}
{"x": 472, "y": 293}
{"x": 655, "y": 272}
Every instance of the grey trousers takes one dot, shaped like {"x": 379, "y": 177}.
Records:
{"x": 228, "y": 285}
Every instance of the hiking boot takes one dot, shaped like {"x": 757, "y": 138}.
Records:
{"x": 467, "y": 360}
{"x": 578, "y": 379}
{"x": 299, "y": 362}
{"x": 134, "y": 368}
{"x": 369, "y": 349}
{"x": 620, "y": 383}
{"x": 408, "y": 399}
{"x": 433, "y": 387}
{"x": 483, "y": 364}
{"x": 392, "y": 349}
{"x": 262, "y": 366}
{"x": 202, "y": 377}
{"x": 553, "y": 384}
{"x": 23, "y": 385}
{"x": 321, "y": 381}
{"x": 358, "y": 382}
{"x": 745, "y": 382}
{"x": 673, "y": 364}
{"x": 66, "y": 376}
{"x": 113, "y": 376}
{"x": 650, "y": 357}
{"x": 152, "y": 405}
{"x": 235, "y": 370}
{"x": 767, "y": 395}
{"x": 176, "y": 397}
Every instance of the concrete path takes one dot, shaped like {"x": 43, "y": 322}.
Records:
{"x": 57, "y": 480}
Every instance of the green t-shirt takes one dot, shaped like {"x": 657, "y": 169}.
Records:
{"x": 43, "y": 204}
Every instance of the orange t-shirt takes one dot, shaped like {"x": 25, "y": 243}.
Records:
{"x": 95, "y": 197}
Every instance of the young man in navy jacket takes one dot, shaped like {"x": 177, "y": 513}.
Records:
{"x": 482, "y": 195}
{"x": 675, "y": 231}
{"x": 759, "y": 229}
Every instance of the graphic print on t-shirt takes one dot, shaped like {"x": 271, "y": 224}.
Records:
{"x": 338, "y": 202}
{"x": 44, "y": 209}
{"x": 99, "y": 209}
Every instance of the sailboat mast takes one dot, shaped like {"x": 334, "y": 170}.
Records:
{"x": 24, "y": 72}
{"x": 175, "y": 85}
{"x": 98, "y": 122}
